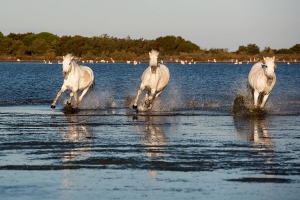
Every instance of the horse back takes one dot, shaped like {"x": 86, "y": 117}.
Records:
{"x": 164, "y": 77}
{"x": 254, "y": 72}
{"x": 87, "y": 77}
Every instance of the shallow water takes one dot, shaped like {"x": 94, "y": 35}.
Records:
{"x": 190, "y": 146}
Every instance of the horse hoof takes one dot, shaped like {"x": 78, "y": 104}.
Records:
{"x": 68, "y": 103}
{"x": 149, "y": 107}
{"x": 134, "y": 107}
{"x": 52, "y": 106}
{"x": 134, "y": 118}
{"x": 74, "y": 110}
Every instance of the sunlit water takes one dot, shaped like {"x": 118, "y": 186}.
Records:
{"x": 189, "y": 146}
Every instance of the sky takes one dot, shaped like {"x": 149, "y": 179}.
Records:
{"x": 207, "y": 23}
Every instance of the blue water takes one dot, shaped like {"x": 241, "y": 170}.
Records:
{"x": 192, "y": 148}
{"x": 203, "y": 86}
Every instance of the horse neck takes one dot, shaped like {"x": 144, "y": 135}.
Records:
{"x": 74, "y": 67}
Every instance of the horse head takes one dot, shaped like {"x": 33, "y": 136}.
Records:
{"x": 269, "y": 67}
{"x": 153, "y": 55}
{"x": 67, "y": 64}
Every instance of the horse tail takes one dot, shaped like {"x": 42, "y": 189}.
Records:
{"x": 93, "y": 85}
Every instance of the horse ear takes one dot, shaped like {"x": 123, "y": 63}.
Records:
{"x": 63, "y": 57}
{"x": 149, "y": 53}
{"x": 264, "y": 58}
{"x": 72, "y": 57}
{"x": 274, "y": 58}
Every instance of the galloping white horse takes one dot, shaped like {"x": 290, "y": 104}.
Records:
{"x": 262, "y": 79}
{"x": 154, "y": 80}
{"x": 75, "y": 78}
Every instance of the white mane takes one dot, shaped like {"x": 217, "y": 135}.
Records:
{"x": 154, "y": 52}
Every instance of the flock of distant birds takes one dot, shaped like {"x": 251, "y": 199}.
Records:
{"x": 183, "y": 62}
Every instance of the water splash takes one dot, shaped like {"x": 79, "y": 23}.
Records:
{"x": 98, "y": 100}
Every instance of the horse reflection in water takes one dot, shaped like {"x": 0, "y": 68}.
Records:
{"x": 152, "y": 137}
{"x": 78, "y": 137}
{"x": 77, "y": 143}
{"x": 254, "y": 129}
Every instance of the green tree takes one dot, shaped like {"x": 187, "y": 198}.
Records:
{"x": 1, "y": 35}
{"x": 250, "y": 49}
{"x": 296, "y": 48}
{"x": 6, "y": 45}
{"x": 39, "y": 47}
{"x": 253, "y": 49}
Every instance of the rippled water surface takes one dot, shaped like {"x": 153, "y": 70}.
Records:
{"x": 189, "y": 146}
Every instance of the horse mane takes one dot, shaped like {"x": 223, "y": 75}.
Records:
{"x": 266, "y": 59}
{"x": 69, "y": 55}
{"x": 155, "y": 52}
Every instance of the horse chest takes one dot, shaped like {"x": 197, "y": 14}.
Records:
{"x": 70, "y": 84}
{"x": 151, "y": 80}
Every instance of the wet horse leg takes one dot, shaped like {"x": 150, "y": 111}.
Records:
{"x": 157, "y": 94}
{"x": 151, "y": 98}
{"x": 264, "y": 101}
{"x": 81, "y": 96}
{"x": 142, "y": 87}
{"x": 53, "y": 105}
{"x": 251, "y": 93}
{"x": 70, "y": 99}
{"x": 146, "y": 101}
{"x": 256, "y": 95}
{"x": 75, "y": 93}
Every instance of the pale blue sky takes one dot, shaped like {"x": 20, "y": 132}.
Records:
{"x": 207, "y": 23}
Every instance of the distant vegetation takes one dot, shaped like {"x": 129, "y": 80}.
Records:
{"x": 50, "y": 47}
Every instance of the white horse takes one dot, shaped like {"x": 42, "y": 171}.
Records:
{"x": 75, "y": 78}
{"x": 154, "y": 80}
{"x": 262, "y": 79}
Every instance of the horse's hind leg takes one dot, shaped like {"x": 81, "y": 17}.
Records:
{"x": 264, "y": 101}
{"x": 251, "y": 93}
{"x": 78, "y": 100}
{"x": 157, "y": 94}
{"x": 70, "y": 99}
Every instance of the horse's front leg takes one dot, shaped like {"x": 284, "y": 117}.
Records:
{"x": 53, "y": 105}
{"x": 134, "y": 106}
{"x": 256, "y": 95}
{"x": 262, "y": 105}
{"x": 146, "y": 100}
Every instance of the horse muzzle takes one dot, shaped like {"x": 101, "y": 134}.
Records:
{"x": 269, "y": 80}
{"x": 64, "y": 73}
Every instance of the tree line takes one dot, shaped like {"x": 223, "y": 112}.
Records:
{"x": 47, "y": 46}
